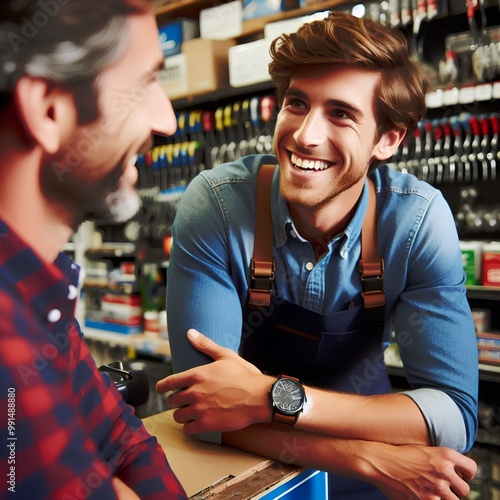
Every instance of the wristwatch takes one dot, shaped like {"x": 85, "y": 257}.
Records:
{"x": 288, "y": 397}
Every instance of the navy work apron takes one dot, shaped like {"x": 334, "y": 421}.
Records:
{"x": 339, "y": 351}
{"x": 336, "y": 351}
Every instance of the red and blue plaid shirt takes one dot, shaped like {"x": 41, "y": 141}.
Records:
{"x": 66, "y": 431}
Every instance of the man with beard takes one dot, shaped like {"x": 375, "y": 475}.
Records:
{"x": 80, "y": 98}
{"x": 305, "y": 269}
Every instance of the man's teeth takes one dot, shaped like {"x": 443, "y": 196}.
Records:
{"x": 308, "y": 164}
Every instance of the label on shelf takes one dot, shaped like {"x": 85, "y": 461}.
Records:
{"x": 467, "y": 95}
{"x": 451, "y": 96}
{"x": 483, "y": 92}
{"x": 435, "y": 99}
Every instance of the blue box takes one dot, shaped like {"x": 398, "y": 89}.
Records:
{"x": 173, "y": 34}
{"x": 308, "y": 484}
{"x": 260, "y": 8}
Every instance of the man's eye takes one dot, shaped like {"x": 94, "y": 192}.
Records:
{"x": 338, "y": 113}
{"x": 294, "y": 103}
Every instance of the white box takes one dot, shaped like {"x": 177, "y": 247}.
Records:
{"x": 173, "y": 77}
{"x": 249, "y": 63}
{"x": 222, "y": 22}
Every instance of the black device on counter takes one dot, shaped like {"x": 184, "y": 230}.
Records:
{"x": 133, "y": 385}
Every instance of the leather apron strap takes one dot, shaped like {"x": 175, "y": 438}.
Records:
{"x": 263, "y": 265}
{"x": 371, "y": 265}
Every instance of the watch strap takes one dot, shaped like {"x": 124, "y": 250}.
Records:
{"x": 283, "y": 422}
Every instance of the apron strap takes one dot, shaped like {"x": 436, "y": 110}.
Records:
{"x": 371, "y": 265}
{"x": 263, "y": 265}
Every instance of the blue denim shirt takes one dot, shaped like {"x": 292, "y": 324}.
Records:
{"x": 427, "y": 308}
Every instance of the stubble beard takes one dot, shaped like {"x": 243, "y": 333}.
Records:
{"x": 107, "y": 200}
{"x": 297, "y": 194}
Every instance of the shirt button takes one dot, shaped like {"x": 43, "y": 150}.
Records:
{"x": 309, "y": 266}
{"x": 72, "y": 292}
{"x": 293, "y": 234}
{"x": 54, "y": 316}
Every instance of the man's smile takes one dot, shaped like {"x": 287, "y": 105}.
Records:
{"x": 305, "y": 164}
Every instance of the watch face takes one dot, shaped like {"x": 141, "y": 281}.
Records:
{"x": 288, "y": 396}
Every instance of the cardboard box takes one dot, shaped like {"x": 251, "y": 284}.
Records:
{"x": 472, "y": 261}
{"x": 173, "y": 77}
{"x": 173, "y": 34}
{"x": 259, "y": 8}
{"x": 249, "y": 63}
{"x": 222, "y": 22}
{"x": 207, "y": 65}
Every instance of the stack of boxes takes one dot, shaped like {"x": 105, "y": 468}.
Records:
{"x": 482, "y": 267}
{"x": 204, "y": 56}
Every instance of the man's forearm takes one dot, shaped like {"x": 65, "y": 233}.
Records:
{"x": 300, "y": 448}
{"x": 401, "y": 472}
{"x": 389, "y": 418}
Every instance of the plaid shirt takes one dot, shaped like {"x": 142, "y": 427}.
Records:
{"x": 66, "y": 430}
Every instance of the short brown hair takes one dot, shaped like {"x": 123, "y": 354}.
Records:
{"x": 342, "y": 39}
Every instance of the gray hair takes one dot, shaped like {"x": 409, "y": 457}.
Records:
{"x": 62, "y": 41}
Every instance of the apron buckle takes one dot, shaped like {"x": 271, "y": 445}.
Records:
{"x": 263, "y": 272}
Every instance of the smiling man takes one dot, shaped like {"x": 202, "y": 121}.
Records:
{"x": 79, "y": 99}
{"x": 293, "y": 329}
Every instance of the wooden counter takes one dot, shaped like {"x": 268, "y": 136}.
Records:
{"x": 215, "y": 471}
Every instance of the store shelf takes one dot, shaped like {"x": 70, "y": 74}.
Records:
{"x": 155, "y": 346}
{"x": 487, "y": 373}
{"x": 483, "y": 292}
{"x": 192, "y": 8}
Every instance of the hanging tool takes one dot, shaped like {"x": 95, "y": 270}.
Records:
{"x": 267, "y": 120}
{"x": 448, "y": 175}
{"x": 484, "y": 122}
{"x": 255, "y": 121}
{"x": 466, "y": 146}
{"x": 209, "y": 139}
{"x": 414, "y": 163}
{"x": 220, "y": 135}
{"x": 437, "y": 159}
{"x": 457, "y": 168}
{"x": 229, "y": 126}
{"x": 493, "y": 154}
{"x": 475, "y": 145}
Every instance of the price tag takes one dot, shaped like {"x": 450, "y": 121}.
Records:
{"x": 483, "y": 92}
{"x": 467, "y": 95}
{"x": 496, "y": 90}
{"x": 451, "y": 96}
{"x": 434, "y": 99}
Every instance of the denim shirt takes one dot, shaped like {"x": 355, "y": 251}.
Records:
{"x": 426, "y": 303}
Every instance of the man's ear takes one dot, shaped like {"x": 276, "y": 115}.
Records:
{"x": 48, "y": 112}
{"x": 388, "y": 144}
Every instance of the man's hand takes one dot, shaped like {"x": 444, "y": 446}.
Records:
{"x": 226, "y": 395}
{"x": 422, "y": 472}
